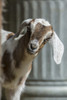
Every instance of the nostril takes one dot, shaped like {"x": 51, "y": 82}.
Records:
{"x": 33, "y": 46}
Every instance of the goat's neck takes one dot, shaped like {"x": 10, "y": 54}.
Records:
{"x": 20, "y": 54}
{"x": 22, "y": 58}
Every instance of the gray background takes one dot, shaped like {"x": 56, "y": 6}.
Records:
{"x": 47, "y": 80}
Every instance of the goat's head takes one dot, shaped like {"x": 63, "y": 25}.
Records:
{"x": 40, "y": 32}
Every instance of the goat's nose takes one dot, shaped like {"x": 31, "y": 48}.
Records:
{"x": 33, "y": 46}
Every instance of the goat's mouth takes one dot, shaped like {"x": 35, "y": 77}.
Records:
{"x": 32, "y": 52}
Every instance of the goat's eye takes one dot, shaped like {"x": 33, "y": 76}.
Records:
{"x": 24, "y": 30}
{"x": 45, "y": 40}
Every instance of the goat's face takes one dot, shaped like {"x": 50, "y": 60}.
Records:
{"x": 40, "y": 32}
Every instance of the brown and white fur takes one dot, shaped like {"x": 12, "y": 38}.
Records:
{"x": 18, "y": 52}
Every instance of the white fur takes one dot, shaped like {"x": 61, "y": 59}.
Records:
{"x": 58, "y": 48}
{"x": 20, "y": 36}
{"x": 4, "y": 35}
{"x": 27, "y": 21}
{"x": 48, "y": 34}
{"x": 36, "y": 21}
{"x": 42, "y": 21}
{"x": 35, "y": 42}
{"x": 11, "y": 45}
{"x": 13, "y": 94}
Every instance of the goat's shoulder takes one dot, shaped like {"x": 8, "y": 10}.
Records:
{"x": 10, "y": 35}
{"x": 6, "y": 35}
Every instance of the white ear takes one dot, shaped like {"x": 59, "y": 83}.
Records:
{"x": 58, "y": 48}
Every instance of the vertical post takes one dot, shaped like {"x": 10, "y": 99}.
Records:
{"x": 0, "y": 41}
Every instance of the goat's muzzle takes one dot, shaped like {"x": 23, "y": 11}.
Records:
{"x": 33, "y": 46}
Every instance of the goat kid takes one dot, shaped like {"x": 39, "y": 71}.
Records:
{"x": 19, "y": 50}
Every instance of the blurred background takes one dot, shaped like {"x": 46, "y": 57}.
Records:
{"x": 47, "y": 80}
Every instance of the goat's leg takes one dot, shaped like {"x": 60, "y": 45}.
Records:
{"x": 12, "y": 94}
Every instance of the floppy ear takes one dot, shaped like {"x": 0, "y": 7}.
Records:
{"x": 58, "y": 48}
{"x": 22, "y": 31}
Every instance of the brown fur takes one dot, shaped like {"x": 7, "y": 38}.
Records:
{"x": 10, "y": 35}
{"x": 6, "y": 61}
{"x": 40, "y": 30}
{"x": 22, "y": 79}
{"x": 20, "y": 49}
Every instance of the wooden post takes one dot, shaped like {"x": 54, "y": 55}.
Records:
{"x": 0, "y": 41}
